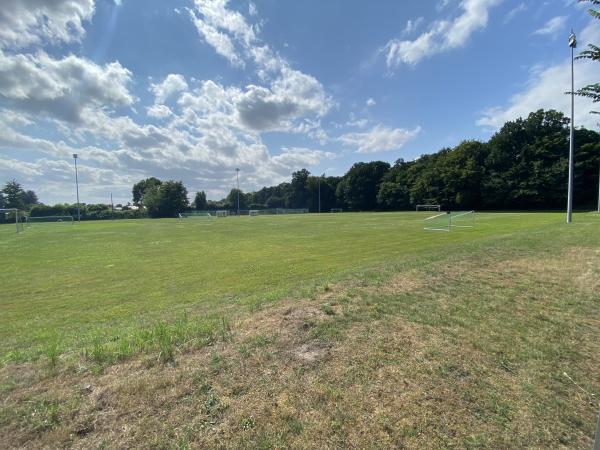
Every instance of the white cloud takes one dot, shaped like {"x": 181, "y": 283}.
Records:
{"x": 521, "y": 7}
{"x": 294, "y": 157}
{"x": 62, "y": 88}
{"x": 442, "y": 35}
{"x": 412, "y": 26}
{"x": 552, "y": 26}
{"x": 546, "y": 89}
{"x": 28, "y": 22}
{"x": 159, "y": 111}
{"x": 379, "y": 139}
{"x": 371, "y": 102}
{"x": 172, "y": 84}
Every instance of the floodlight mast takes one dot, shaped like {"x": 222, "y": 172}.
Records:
{"x": 237, "y": 176}
{"x": 573, "y": 46}
{"x": 77, "y": 187}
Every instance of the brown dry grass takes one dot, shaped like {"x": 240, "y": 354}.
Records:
{"x": 467, "y": 354}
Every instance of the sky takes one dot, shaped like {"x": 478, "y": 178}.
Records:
{"x": 190, "y": 90}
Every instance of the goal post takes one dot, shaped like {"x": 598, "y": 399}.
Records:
{"x": 222, "y": 213}
{"x": 195, "y": 215}
{"x": 337, "y": 210}
{"x": 430, "y": 207}
{"x": 49, "y": 219}
{"x": 464, "y": 219}
{"x": 253, "y": 212}
{"x": 438, "y": 222}
{"x": 16, "y": 215}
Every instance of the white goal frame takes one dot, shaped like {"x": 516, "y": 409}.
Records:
{"x": 337, "y": 210}
{"x": 222, "y": 213}
{"x": 429, "y": 208}
{"x": 438, "y": 228}
{"x": 470, "y": 224}
{"x": 30, "y": 220}
{"x": 253, "y": 212}
{"x": 17, "y": 212}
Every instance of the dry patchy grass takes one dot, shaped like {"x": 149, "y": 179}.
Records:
{"x": 482, "y": 352}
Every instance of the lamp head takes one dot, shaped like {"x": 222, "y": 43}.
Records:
{"x": 572, "y": 40}
{"x": 74, "y": 155}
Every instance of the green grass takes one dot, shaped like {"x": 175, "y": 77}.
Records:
{"x": 346, "y": 330}
{"x": 75, "y": 286}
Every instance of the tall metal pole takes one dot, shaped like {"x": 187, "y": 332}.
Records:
{"x": 237, "y": 176}
{"x": 599, "y": 187}
{"x": 319, "y": 195}
{"x": 77, "y": 187}
{"x": 573, "y": 45}
{"x": 112, "y": 208}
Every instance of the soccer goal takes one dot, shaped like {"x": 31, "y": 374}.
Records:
{"x": 14, "y": 215}
{"x": 222, "y": 213}
{"x": 438, "y": 222}
{"x": 253, "y": 212}
{"x": 49, "y": 219}
{"x": 464, "y": 219}
{"x": 195, "y": 215}
{"x": 429, "y": 208}
{"x": 337, "y": 210}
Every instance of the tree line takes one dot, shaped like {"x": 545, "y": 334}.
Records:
{"x": 522, "y": 166}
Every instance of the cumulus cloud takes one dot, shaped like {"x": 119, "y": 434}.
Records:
{"x": 442, "y": 35}
{"x": 371, "y": 102}
{"x": 546, "y": 89}
{"x": 379, "y": 139}
{"x": 62, "y": 88}
{"x": 28, "y": 22}
{"x": 552, "y": 26}
{"x": 172, "y": 84}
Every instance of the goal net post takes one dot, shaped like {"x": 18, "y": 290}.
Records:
{"x": 195, "y": 215}
{"x": 14, "y": 215}
{"x": 429, "y": 207}
{"x": 49, "y": 219}
{"x": 438, "y": 222}
{"x": 464, "y": 219}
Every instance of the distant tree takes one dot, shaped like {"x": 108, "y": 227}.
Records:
{"x": 275, "y": 201}
{"x": 30, "y": 198}
{"x": 200, "y": 202}
{"x": 360, "y": 185}
{"x": 14, "y": 196}
{"x": 298, "y": 193}
{"x": 165, "y": 199}
{"x": 2, "y": 200}
{"x": 140, "y": 188}
{"x": 232, "y": 199}
{"x": 593, "y": 53}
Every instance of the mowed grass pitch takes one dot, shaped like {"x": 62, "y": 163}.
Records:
{"x": 332, "y": 330}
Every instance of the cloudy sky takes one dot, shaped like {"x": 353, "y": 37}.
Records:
{"x": 191, "y": 89}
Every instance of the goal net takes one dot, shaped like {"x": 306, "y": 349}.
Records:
{"x": 446, "y": 221}
{"x": 429, "y": 208}
{"x": 438, "y": 222}
{"x": 464, "y": 219}
{"x": 31, "y": 220}
{"x": 222, "y": 213}
{"x": 336, "y": 210}
{"x": 195, "y": 215}
{"x": 253, "y": 212}
{"x": 13, "y": 216}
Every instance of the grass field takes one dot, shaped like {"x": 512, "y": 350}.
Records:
{"x": 334, "y": 330}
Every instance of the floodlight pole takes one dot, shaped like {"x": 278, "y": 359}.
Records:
{"x": 599, "y": 187}
{"x": 237, "y": 176}
{"x": 77, "y": 188}
{"x": 112, "y": 208}
{"x": 573, "y": 45}
{"x": 319, "y": 195}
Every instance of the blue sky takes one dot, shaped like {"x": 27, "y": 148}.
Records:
{"x": 190, "y": 90}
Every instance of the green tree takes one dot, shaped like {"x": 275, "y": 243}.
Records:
{"x": 166, "y": 199}
{"x": 14, "y": 196}
{"x": 360, "y": 185}
{"x": 200, "y": 202}
{"x": 140, "y": 188}
{"x": 30, "y": 198}
{"x": 298, "y": 194}
{"x": 593, "y": 53}
{"x": 232, "y": 200}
